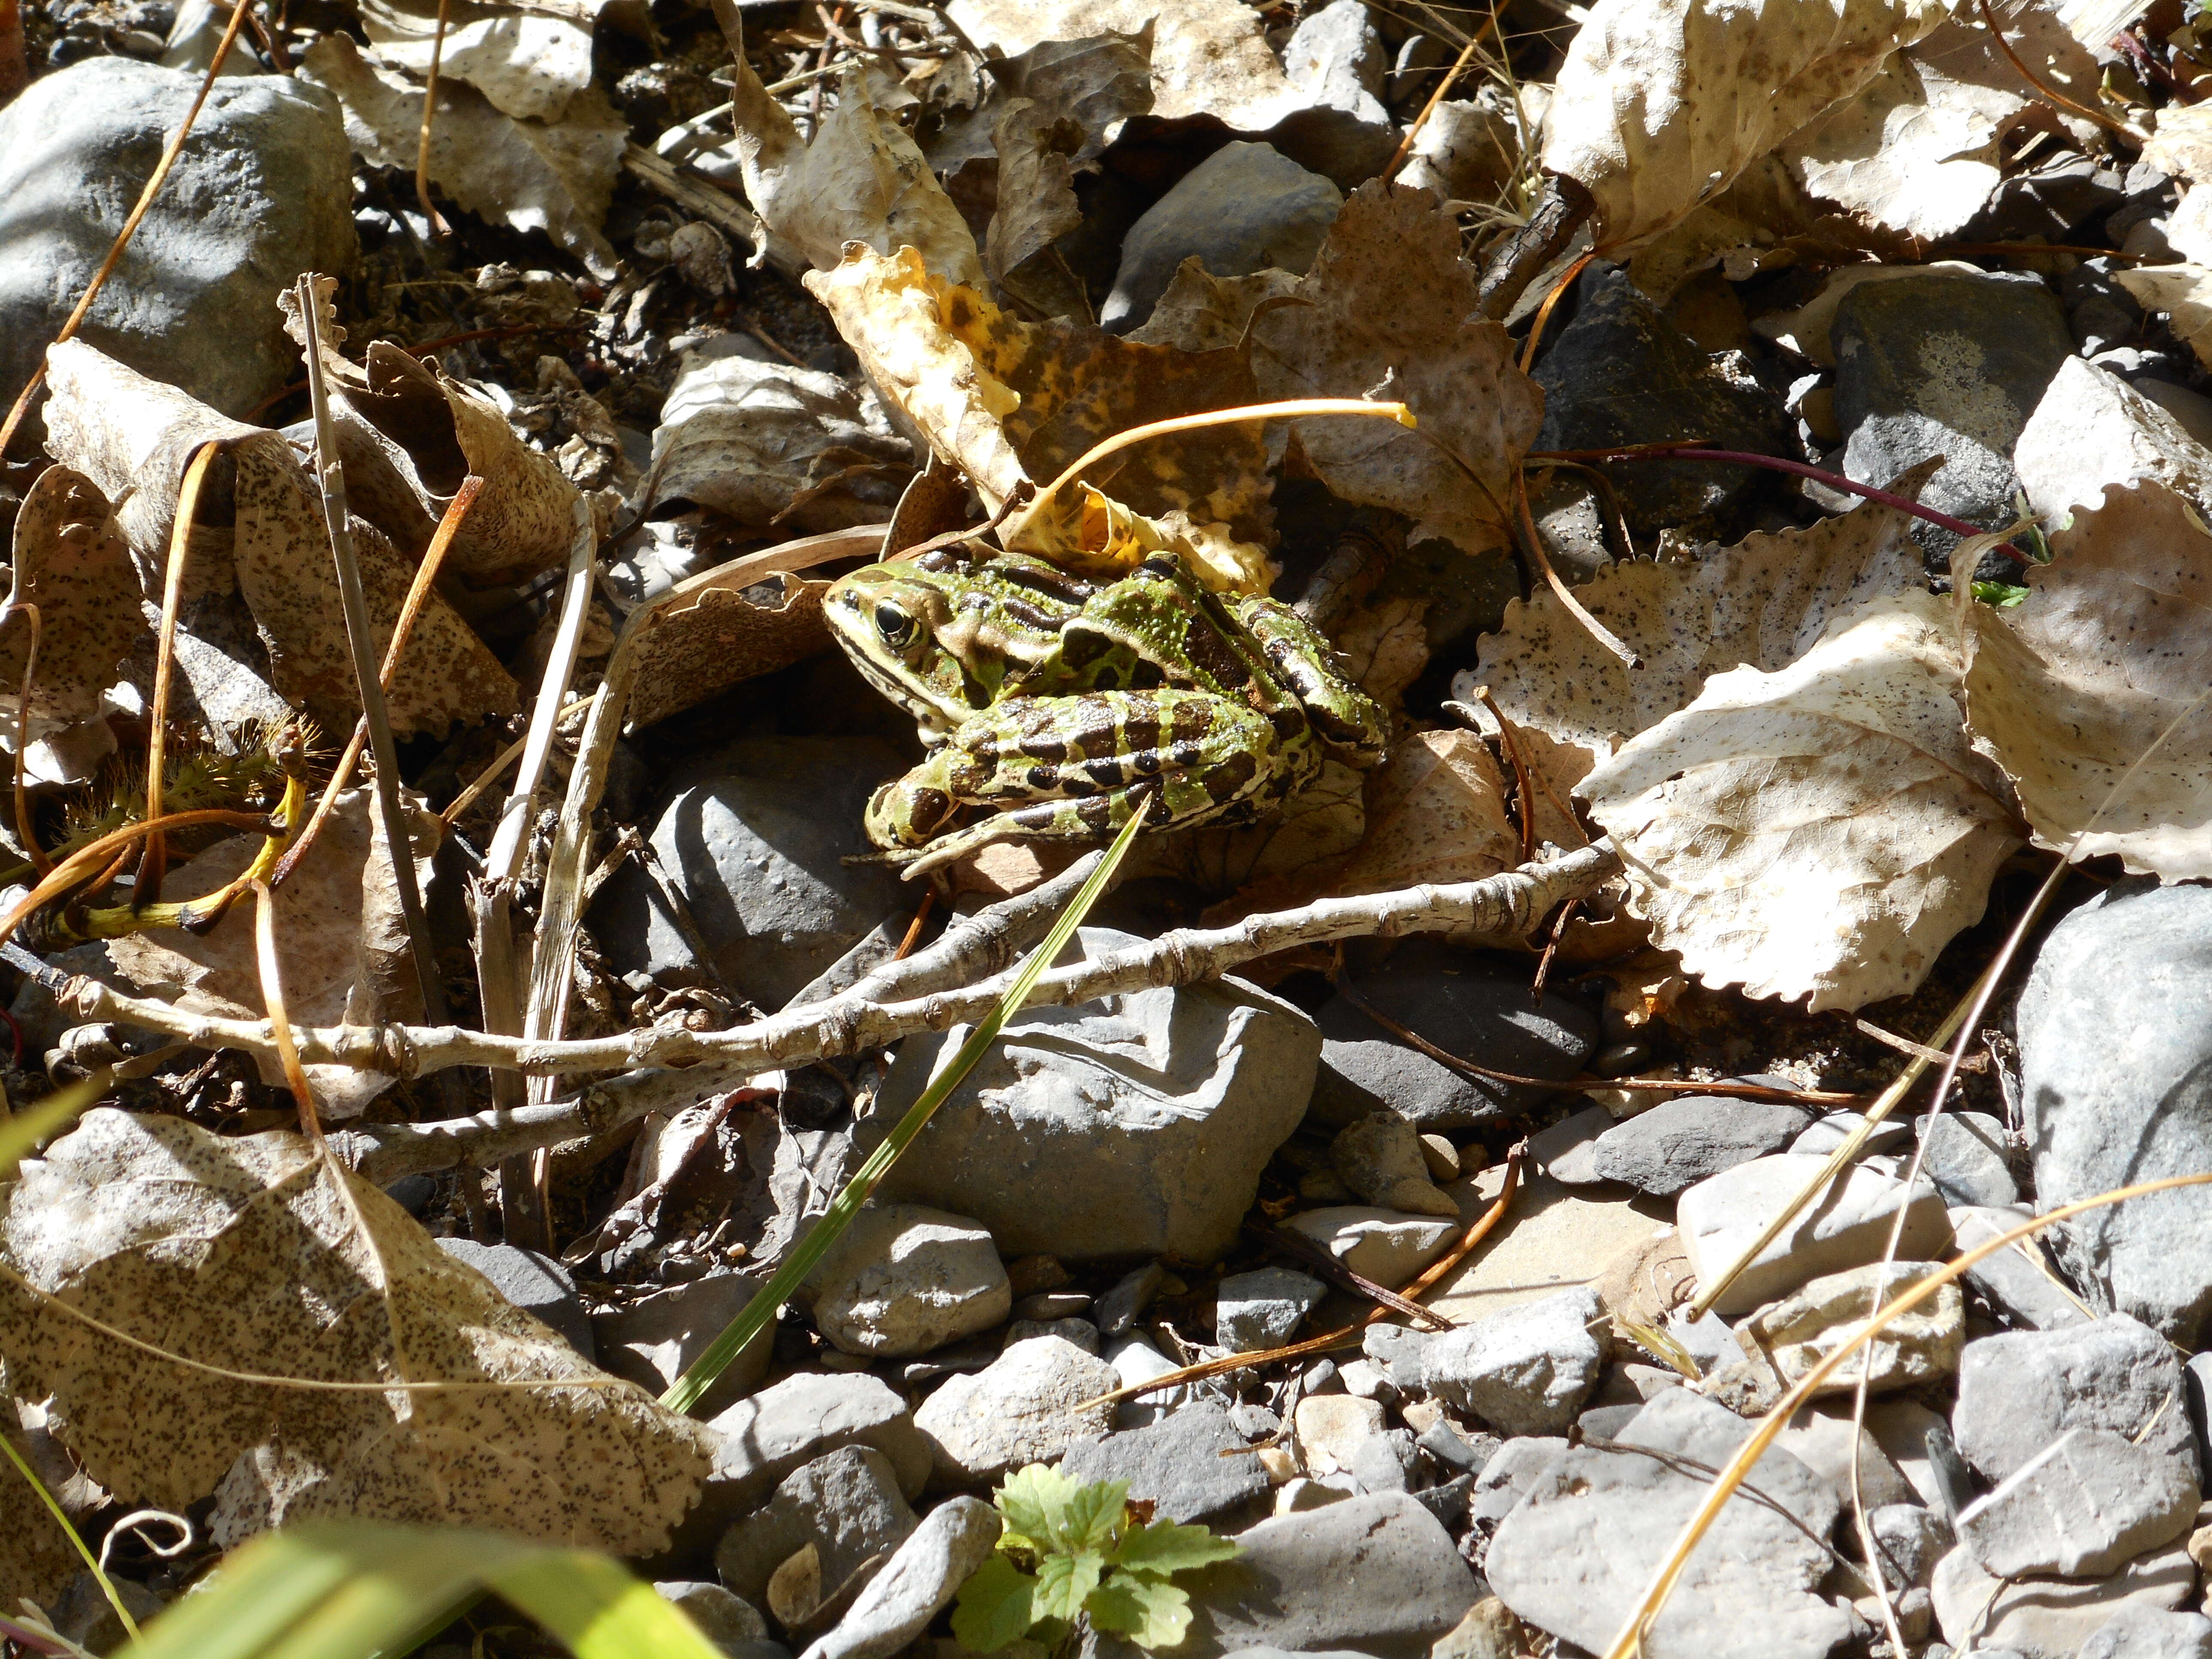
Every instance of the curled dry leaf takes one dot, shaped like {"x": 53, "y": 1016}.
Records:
{"x": 1209, "y": 56}
{"x": 771, "y": 445}
{"x": 1660, "y": 104}
{"x": 1036, "y": 149}
{"x": 1822, "y": 832}
{"x": 529, "y": 63}
{"x": 1011, "y": 403}
{"x": 262, "y": 1254}
{"x": 340, "y": 942}
{"x": 73, "y": 564}
{"x": 1389, "y": 310}
{"x": 1436, "y": 812}
{"x": 1324, "y": 821}
{"x": 2072, "y": 687}
{"x": 2182, "y": 146}
{"x": 1202, "y": 311}
{"x": 862, "y": 179}
{"x": 554, "y": 176}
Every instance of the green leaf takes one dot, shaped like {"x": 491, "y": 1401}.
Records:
{"x": 1034, "y": 1500}
{"x": 1063, "y": 1583}
{"x": 2003, "y": 595}
{"x": 1092, "y": 1515}
{"x": 1163, "y": 1547}
{"x": 996, "y": 1606}
{"x": 1150, "y": 1612}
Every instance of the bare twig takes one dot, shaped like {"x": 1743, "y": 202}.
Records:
{"x": 438, "y": 225}
{"x": 1317, "y": 1257}
{"x": 1559, "y": 214}
{"x": 1444, "y": 90}
{"x": 2111, "y": 124}
{"x": 1565, "y": 595}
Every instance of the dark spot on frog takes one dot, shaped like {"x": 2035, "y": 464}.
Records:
{"x": 1043, "y": 777}
{"x": 1228, "y": 780}
{"x": 1105, "y": 770}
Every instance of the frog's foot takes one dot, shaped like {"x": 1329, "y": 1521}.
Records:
{"x": 1094, "y": 817}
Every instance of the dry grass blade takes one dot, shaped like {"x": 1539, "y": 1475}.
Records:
{"x": 154, "y": 860}
{"x": 25, "y": 830}
{"x": 1565, "y": 595}
{"x": 280, "y": 1023}
{"x": 438, "y": 225}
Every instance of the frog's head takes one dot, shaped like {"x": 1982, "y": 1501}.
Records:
{"x": 891, "y": 619}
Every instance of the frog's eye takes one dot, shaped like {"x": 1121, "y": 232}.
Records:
{"x": 897, "y": 628}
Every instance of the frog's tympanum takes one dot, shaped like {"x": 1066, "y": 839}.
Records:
{"x": 1051, "y": 706}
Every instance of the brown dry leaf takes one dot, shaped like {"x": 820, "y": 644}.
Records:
{"x": 1390, "y": 310}
{"x": 1324, "y": 821}
{"x": 1920, "y": 148}
{"x": 1822, "y": 832}
{"x": 529, "y": 63}
{"x": 1660, "y": 104}
{"x": 770, "y": 445}
{"x": 1208, "y": 57}
{"x": 260, "y": 1254}
{"x": 2070, "y": 689}
{"x": 1436, "y": 812}
{"x": 36, "y": 1555}
{"x": 340, "y": 942}
{"x": 1202, "y": 311}
{"x": 73, "y": 564}
{"x": 862, "y": 179}
{"x": 1385, "y": 645}
{"x": 1036, "y": 149}
{"x": 554, "y": 176}
{"x": 1011, "y": 403}
{"x": 1763, "y": 602}
{"x": 2184, "y": 293}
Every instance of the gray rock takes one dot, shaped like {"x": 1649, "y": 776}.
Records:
{"x": 1130, "y": 1296}
{"x": 2046, "y": 202}
{"x": 1791, "y": 1337}
{"x": 2051, "y": 1618}
{"x": 904, "y": 1280}
{"x": 1020, "y": 1409}
{"x": 1574, "y": 1555}
{"x": 1080, "y": 1332}
{"x": 2193, "y": 410}
{"x": 1464, "y": 1007}
{"x": 1379, "y": 1157}
{"x": 1330, "y": 1428}
{"x": 916, "y": 1584}
{"x": 1621, "y": 373}
{"x": 1518, "y": 1467}
{"x": 1386, "y": 1461}
{"x": 1381, "y": 1245}
{"x": 1489, "y": 1632}
{"x": 1136, "y": 1125}
{"x": 1377, "y": 1574}
{"x": 1945, "y": 364}
{"x": 1135, "y": 1361}
{"x": 1820, "y": 1438}
{"x": 83, "y": 1615}
{"x": 2024, "y": 1289}
{"x": 1566, "y": 1150}
{"x": 262, "y": 192}
{"x": 1192, "y": 1466}
{"x": 755, "y": 837}
{"x": 1398, "y": 1350}
{"x": 2129, "y": 974}
{"x": 1825, "y": 1135}
{"x": 2018, "y": 1392}
{"x": 1525, "y": 1371}
{"x": 1442, "y": 1442}
{"x": 846, "y": 1503}
{"x": 2080, "y": 1507}
{"x": 761, "y": 1440}
{"x": 653, "y": 1340}
{"x": 2099, "y": 312}
{"x": 1911, "y": 1540}
{"x": 1259, "y": 1310}
{"x": 1965, "y": 1157}
{"x": 2148, "y": 1633}
{"x": 729, "y": 1622}
{"x": 1245, "y": 208}
{"x": 537, "y": 1284}
{"x": 1463, "y": 153}
{"x": 1680, "y": 1142}
{"x": 1720, "y": 1216}
{"x": 1336, "y": 57}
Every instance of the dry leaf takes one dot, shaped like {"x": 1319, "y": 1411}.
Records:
{"x": 1389, "y": 310}
{"x": 1819, "y": 831}
{"x": 529, "y": 63}
{"x": 1202, "y": 311}
{"x": 72, "y": 563}
{"x": 2093, "y": 429}
{"x": 260, "y": 1254}
{"x": 771, "y": 445}
{"x": 1384, "y": 644}
{"x": 1806, "y": 331}
{"x": 861, "y": 180}
{"x": 1208, "y": 57}
{"x": 2070, "y": 689}
{"x": 1660, "y": 104}
{"x": 1325, "y": 820}
{"x": 553, "y": 176}
{"x": 1436, "y": 812}
{"x": 36, "y": 1557}
{"x": 2184, "y": 293}
{"x": 1036, "y": 185}
{"x": 341, "y": 944}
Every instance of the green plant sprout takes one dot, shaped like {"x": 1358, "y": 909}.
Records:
{"x": 1072, "y": 1550}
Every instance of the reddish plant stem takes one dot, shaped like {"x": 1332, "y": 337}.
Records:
{"x": 1776, "y": 464}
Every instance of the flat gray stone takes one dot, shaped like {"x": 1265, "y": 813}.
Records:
{"x": 761, "y": 1440}
{"x": 1133, "y": 1126}
{"x": 2116, "y": 1076}
{"x": 1379, "y": 1158}
{"x": 916, "y": 1584}
{"x": 1796, "y": 1334}
{"x": 1384, "y": 1245}
{"x": 1911, "y": 1539}
{"x": 755, "y": 836}
{"x": 261, "y": 191}
{"x": 1377, "y": 1574}
{"x": 2020, "y": 1391}
{"x": 1966, "y": 1158}
{"x": 537, "y": 1284}
{"x": 1517, "y": 1468}
{"x": 1245, "y": 208}
{"x": 1335, "y": 56}
{"x": 1525, "y": 1371}
{"x": 2148, "y": 1633}
{"x": 846, "y": 1503}
{"x": 1259, "y": 1310}
{"x": 904, "y": 1280}
{"x": 2051, "y": 1618}
{"x": 1020, "y": 1409}
{"x": 731, "y": 1623}
{"x": 2081, "y": 1507}
{"x": 654, "y": 1340}
{"x": 1720, "y": 1216}
{"x": 1680, "y": 1142}
{"x": 1191, "y": 1466}
{"x": 2016, "y": 1279}
{"x": 1573, "y": 1556}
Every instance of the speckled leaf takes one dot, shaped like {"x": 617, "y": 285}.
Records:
{"x": 72, "y": 562}
{"x": 2070, "y": 689}
{"x": 554, "y": 176}
{"x": 1436, "y": 812}
{"x": 36, "y": 1558}
{"x": 1036, "y": 185}
{"x": 1202, "y": 311}
{"x": 259, "y": 1254}
{"x": 1661, "y": 103}
{"x": 1822, "y": 832}
{"x": 1390, "y": 310}
{"x": 1209, "y": 57}
{"x": 529, "y": 63}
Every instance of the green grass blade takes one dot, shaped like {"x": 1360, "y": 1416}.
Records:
{"x": 23, "y": 1131}
{"x": 599, "y": 1609}
{"x": 687, "y": 1390}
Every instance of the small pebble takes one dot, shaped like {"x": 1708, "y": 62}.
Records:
{"x": 1441, "y": 1156}
{"x": 1030, "y": 1274}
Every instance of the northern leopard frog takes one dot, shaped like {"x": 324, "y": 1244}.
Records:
{"x": 1053, "y": 706}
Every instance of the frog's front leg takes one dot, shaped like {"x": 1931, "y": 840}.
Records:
{"x": 1075, "y": 767}
{"x": 1351, "y": 723}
